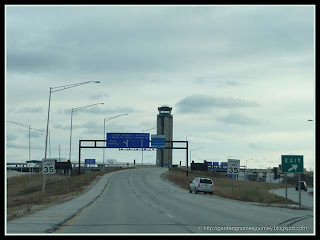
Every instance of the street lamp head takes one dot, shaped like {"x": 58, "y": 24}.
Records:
{"x": 96, "y": 81}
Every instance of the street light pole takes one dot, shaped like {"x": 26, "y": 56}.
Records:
{"x": 190, "y": 155}
{"x": 104, "y": 134}
{"x": 194, "y": 150}
{"x": 29, "y": 128}
{"x": 187, "y": 152}
{"x": 142, "y": 142}
{"x": 52, "y": 90}
{"x": 45, "y": 150}
{"x": 56, "y": 89}
{"x": 70, "y": 135}
{"x": 59, "y": 151}
{"x": 245, "y": 170}
{"x": 75, "y": 110}
{"x": 29, "y": 155}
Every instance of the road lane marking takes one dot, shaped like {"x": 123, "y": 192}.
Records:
{"x": 169, "y": 215}
{"x": 73, "y": 219}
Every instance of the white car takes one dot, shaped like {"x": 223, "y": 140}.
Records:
{"x": 200, "y": 184}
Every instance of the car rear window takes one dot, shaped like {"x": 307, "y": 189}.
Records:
{"x": 208, "y": 181}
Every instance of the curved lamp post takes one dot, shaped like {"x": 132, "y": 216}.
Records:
{"x": 56, "y": 89}
{"x": 142, "y": 143}
{"x": 75, "y": 110}
{"x": 52, "y": 90}
{"x": 104, "y": 132}
{"x": 194, "y": 150}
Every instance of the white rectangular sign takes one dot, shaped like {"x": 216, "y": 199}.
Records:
{"x": 48, "y": 166}
{"x": 233, "y": 166}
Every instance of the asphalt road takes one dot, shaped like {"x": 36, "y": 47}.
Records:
{"x": 292, "y": 194}
{"x": 138, "y": 201}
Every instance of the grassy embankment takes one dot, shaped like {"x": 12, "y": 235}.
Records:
{"x": 248, "y": 191}
{"x": 25, "y": 197}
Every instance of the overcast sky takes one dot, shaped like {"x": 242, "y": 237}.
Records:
{"x": 240, "y": 79}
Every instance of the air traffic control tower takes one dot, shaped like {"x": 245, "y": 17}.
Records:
{"x": 165, "y": 127}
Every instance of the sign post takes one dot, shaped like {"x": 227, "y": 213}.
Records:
{"x": 233, "y": 168}
{"x": 292, "y": 164}
{"x": 286, "y": 188}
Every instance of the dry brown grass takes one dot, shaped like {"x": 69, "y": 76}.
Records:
{"x": 25, "y": 197}
{"x": 249, "y": 191}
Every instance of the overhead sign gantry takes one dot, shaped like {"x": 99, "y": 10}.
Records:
{"x": 131, "y": 140}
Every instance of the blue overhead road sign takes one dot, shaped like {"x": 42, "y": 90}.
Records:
{"x": 127, "y": 140}
{"x": 158, "y": 141}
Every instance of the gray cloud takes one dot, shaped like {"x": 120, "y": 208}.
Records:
{"x": 34, "y": 61}
{"x": 101, "y": 110}
{"x": 27, "y": 110}
{"x": 239, "y": 119}
{"x": 203, "y": 103}
{"x": 90, "y": 42}
{"x": 66, "y": 127}
{"x": 109, "y": 110}
{"x": 35, "y": 134}
{"x": 16, "y": 145}
{"x": 11, "y": 137}
{"x": 99, "y": 96}
{"x": 92, "y": 128}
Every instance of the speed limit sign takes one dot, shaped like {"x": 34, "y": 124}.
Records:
{"x": 233, "y": 166}
{"x": 48, "y": 166}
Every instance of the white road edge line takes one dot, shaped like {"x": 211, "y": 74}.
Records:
{"x": 169, "y": 215}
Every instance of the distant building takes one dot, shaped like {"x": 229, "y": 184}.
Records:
{"x": 111, "y": 161}
{"x": 58, "y": 159}
{"x": 165, "y": 127}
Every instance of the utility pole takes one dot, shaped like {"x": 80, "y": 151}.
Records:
{"x": 59, "y": 151}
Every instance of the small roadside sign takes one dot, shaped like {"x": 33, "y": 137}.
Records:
{"x": 48, "y": 166}
{"x": 233, "y": 166}
{"x": 292, "y": 163}
{"x": 89, "y": 161}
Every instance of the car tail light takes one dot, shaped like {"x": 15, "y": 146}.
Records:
{"x": 212, "y": 185}
{"x": 198, "y": 184}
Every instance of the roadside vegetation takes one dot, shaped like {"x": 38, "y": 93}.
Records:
{"x": 248, "y": 191}
{"x": 25, "y": 197}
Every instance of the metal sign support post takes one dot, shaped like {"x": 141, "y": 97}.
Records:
{"x": 80, "y": 157}
{"x": 43, "y": 181}
{"x": 286, "y": 189}
{"x": 232, "y": 184}
{"x": 299, "y": 190}
{"x": 187, "y": 157}
{"x": 105, "y": 146}
{"x": 142, "y": 152}
{"x": 29, "y": 156}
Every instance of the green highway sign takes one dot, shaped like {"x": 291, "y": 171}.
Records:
{"x": 292, "y": 163}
